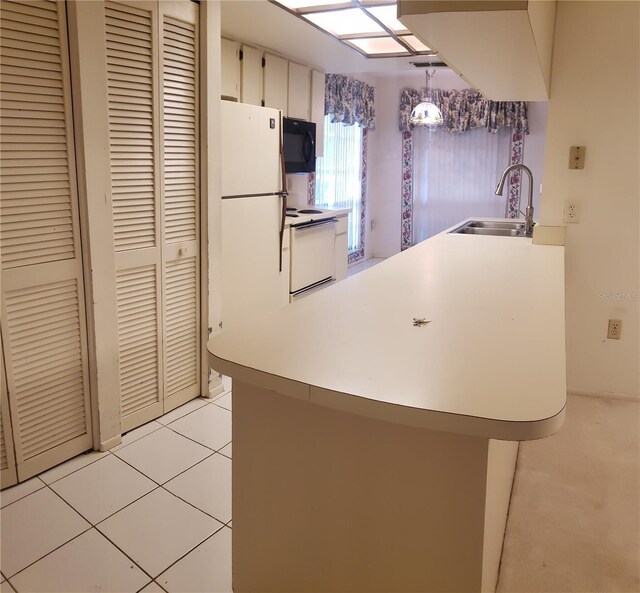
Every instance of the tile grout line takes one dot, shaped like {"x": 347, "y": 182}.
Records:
{"x": 198, "y": 442}
{"x": 8, "y": 579}
{"x": 95, "y": 526}
{"x": 189, "y": 552}
{"x": 194, "y": 506}
{"x": 158, "y": 486}
{"x": 163, "y": 484}
{"x": 91, "y": 526}
{"x": 25, "y": 496}
{"x": 179, "y": 417}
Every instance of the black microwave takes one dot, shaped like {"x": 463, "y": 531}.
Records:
{"x": 299, "y": 143}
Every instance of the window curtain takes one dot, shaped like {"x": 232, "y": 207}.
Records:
{"x": 455, "y": 176}
{"x": 466, "y": 110}
{"x": 349, "y": 101}
{"x": 340, "y": 179}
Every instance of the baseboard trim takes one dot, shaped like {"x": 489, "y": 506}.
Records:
{"x": 111, "y": 443}
{"x": 618, "y": 396}
{"x": 215, "y": 391}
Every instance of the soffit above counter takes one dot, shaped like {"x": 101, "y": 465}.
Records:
{"x": 501, "y": 48}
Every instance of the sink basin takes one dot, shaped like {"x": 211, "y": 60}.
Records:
{"x": 498, "y": 228}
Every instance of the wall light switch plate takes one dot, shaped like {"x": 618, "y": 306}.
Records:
{"x": 576, "y": 157}
{"x": 571, "y": 212}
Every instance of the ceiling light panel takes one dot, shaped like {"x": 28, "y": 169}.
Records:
{"x": 387, "y": 15}
{"x": 351, "y": 21}
{"x": 308, "y": 4}
{"x": 415, "y": 43}
{"x": 379, "y": 45}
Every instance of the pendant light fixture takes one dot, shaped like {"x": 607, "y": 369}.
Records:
{"x": 426, "y": 113}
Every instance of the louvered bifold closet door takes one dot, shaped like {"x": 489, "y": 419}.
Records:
{"x": 134, "y": 143}
{"x": 8, "y": 475}
{"x": 43, "y": 307}
{"x": 180, "y": 192}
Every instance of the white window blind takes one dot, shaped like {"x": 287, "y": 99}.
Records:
{"x": 339, "y": 175}
{"x": 455, "y": 177}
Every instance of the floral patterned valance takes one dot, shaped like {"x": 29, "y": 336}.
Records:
{"x": 465, "y": 110}
{"x": 349, "y": 101}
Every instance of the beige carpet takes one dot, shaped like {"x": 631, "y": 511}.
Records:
{"x": 574, "y": 522}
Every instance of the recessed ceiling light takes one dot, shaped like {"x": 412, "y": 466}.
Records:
{"x": 387, "y": 15}
{"x": 379, "y": 45}
{"x": 415, "y": 43}
{"x": 370, "y": 27}
{"x": 307, "y": 4}
{"x": 351, "y": 21}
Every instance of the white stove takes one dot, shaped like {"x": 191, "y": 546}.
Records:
{"x": 300, "y": 216}
{"x": 312, "y": 248}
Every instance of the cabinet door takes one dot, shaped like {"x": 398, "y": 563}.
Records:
{"x": 317, "y": 109}
{"x": 251, "y": 77}
{"x": 230, "y": 68}
{"x": 43, "y": 306}
{"x": 276, "y": 73}
{"x": 299, "y": 91}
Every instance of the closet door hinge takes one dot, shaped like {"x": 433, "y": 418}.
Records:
{"x": 264, "y": 62}
{"x": 241, "y": 55}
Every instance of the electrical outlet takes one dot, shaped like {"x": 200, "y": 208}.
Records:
{"x": 615, "y": 329}
{"x": 571, "y": 212}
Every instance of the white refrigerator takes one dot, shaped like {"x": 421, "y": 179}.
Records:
{"x": 254, "y": 280}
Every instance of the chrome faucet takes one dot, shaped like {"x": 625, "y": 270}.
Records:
{"x": 528, "y": 213}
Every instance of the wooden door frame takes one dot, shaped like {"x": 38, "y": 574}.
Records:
{"x": 210, "y": 188}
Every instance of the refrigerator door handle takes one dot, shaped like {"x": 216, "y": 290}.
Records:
{"x": 284, "y": 195}
{"x": 282, "y": 221}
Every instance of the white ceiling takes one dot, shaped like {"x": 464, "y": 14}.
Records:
{"x": 262, "y": 23}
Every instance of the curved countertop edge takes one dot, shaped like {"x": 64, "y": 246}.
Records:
{"x": 504, "y": 430}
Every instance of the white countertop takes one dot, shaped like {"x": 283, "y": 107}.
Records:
{"x": 490, "y": 363}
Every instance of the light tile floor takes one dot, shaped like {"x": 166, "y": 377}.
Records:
{"x": 151, "y": 515}
{"x": 154, "y": 514}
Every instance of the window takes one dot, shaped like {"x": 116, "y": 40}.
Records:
{"x": 455, "y": 177}
{"x": 340, "y": 182}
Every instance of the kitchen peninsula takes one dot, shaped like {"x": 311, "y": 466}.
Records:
{"x": 374, "y": 451}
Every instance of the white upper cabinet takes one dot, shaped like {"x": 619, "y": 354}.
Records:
{"x": 299, "y": 91}
{"x": 317, "y": 109}
{"x": 276, "y": 79}
{"x": 251, "y": 75}
{"x": 230, "y": 68}
{"x": 502, "y": 48}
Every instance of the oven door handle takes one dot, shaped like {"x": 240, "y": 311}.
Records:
{"x": 313, "y": 224}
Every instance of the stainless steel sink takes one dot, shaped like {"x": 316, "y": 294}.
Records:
{"x": 499, "y": 228}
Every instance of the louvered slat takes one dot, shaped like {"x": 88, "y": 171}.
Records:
{"x": 60, "y": 411}
{"x": 34, "y": 140}
{"x": 138, "y": 338}
{"x": 180, "y": 130}
{"x": 130, "y": 80}
{"x": 181, "y": 330}
{"x": 3, "y": 450}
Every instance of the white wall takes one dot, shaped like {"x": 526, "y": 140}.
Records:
{"x": 595, "y": 102}
{"x": 385, "y": 155}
